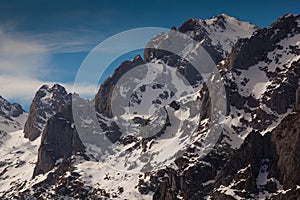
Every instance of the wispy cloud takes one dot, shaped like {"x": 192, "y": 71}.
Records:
{"x": 21, "y": 57}
{"x": 68, "y": 41}
{"x": 25, "y": 61}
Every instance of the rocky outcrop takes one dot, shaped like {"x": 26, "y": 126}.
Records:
{"x": 45, "y": 104}
{"x": 8, "y": 109}
{"x": 59, "y": 140}
{"x": 250, "y": 51}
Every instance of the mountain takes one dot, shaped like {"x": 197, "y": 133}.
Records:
{"x": 172, "y": 150}
{"x": 216, "y": 35}
{"x": 45, "y": 104}
{"x": 261, "y": 77}
{"x": 12, "y": 116}
{"x": 206, "y": 32}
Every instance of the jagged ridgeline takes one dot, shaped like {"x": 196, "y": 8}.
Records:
{"x": 256, "y": 156}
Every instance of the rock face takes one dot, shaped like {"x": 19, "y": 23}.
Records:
{"x": 59, "y": 140}
{"x": 12, "y": 116}
{"x": 297, "y": 104}
{"x": 286, "y": 137}
{"x": 45, "y": 104}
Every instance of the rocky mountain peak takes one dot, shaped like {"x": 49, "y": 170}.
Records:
{"x": 54, "y": 91}
{"x": 45, "y": 104}
{"x": 217, "y": 35}
{"x": 10, "y": 109}
{"x": 12, "y": 116}
{"x": 286, "y": 20}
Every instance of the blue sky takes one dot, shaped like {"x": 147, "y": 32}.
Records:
{"x": 46, "y": 41}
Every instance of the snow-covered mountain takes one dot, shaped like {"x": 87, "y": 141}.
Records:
{"x": 12, "y": 116}
{"x": 156, "y": 153}
{"x": 216, "y": 35}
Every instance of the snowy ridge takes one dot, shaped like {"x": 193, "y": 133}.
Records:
{"x": 226, "y": 36}
{"x": 12, "y": 116}
{"x": 224, "y": 31}
{"x": 18, "y": 159}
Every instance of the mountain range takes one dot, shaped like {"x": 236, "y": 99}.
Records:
{"x": 180, "y": 148}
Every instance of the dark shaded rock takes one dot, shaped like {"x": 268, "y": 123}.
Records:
{"x": 252, "y": 102}
{"x": 286, "y": 137}
{"x": 59, "y": 140}
{"x": 262, "y": 120}
{"x": 141, "y": 121}
{"x": 205, "y": 108}
{"x": 128, "y": 139}
{"x": 237, "y": 100}
{"x": 283, "y": 97}
{"x": 175, "y": 105}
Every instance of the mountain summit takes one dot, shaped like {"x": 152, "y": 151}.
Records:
{"x": 45, "y": 104}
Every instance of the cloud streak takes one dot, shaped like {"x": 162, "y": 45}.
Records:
{"x": 18, "y": 57}
{"x": 25, "y": 61}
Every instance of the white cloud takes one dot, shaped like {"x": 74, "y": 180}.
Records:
{"x": 24, "y": 59}
{"x": 21, "y": 62}
{"x": 21, "y": 57}
{"x": 19, "y": 87}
